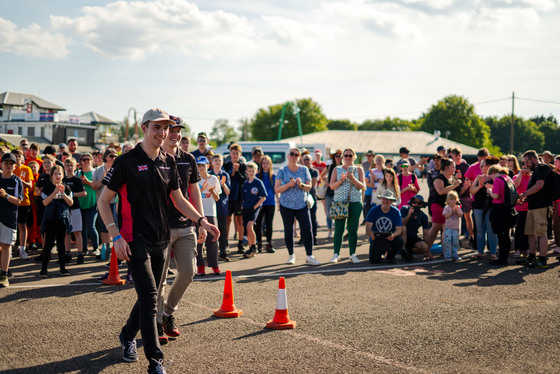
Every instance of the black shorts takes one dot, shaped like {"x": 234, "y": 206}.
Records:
{"x": 249, "y": 214}
{"x": 234, "y": 207}
{"x": 23, "y": 213}
{"x": 411, "y": 242}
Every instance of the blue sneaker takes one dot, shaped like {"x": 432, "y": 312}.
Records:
{"x": 130, "y": 354}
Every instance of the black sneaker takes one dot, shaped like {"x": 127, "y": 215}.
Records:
{"x": 162, "y": 338}
{"x": 130, "y": 354}
{"x": 269, "y": 249}
{"x": 260, "y": 249}
{"x": 250, "y": 252}
{"x": 43, "y": 274}
{"x": 67, "y": 257}
{"x": 10, "y": 273}
{"x": 224, "y": 256}
{"x": 169, "y": 326}
{"x": 240, "y": 248}
{"x": 80, "y": 259}
{"x": 64, "y": 272}
{"x": 527, "y": 261}
{"x": 538, "y": 264}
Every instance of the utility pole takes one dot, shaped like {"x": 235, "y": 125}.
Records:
{"x": 512, "y": 124}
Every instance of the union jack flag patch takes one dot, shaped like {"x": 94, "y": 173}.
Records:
{"x": 142, "y": 167}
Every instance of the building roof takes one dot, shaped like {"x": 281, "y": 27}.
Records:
{"x": 20, "y": 99}
{"x": 12, "y": 139}
{"x": 96, "y": 118}
{"x": 383, "y": 142}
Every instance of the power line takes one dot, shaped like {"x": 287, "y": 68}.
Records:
{"x": 538, "y": 100}
{"x": 492, "y": 101}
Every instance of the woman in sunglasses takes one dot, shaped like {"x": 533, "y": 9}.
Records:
{"x": 293, "y": 181}
{"x": 348, "y": 181}
{"x": 326, "y": 174}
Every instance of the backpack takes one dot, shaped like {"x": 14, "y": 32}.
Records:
{"x": 553, "y": 186}
{"x": 510, "y": 199}
{"x": 413, "y": 180}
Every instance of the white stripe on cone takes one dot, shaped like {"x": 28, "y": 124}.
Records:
{"x": 282, "y": 300}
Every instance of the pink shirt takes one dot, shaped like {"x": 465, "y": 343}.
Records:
{"x": 406, "y": 196}
{"x": 473, "y": 171}
{"x": 452, "y": 222}
{"x": 498, "y": 189}
{"x": 522, "y": 188}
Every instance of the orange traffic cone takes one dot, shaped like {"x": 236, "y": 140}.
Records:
{"x": 114, "y": 278}
{"x": 281, "y": 320}
{"x": 228, "y": 309}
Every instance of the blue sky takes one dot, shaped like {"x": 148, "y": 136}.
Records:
{"x": 226, "y": 59}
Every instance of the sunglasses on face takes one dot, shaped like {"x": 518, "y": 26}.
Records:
{"x": 416, "y": 203}
{"x": 25, "y": 145}
{"x": 338, "y": 156}
{"x": 294, "y": 154}
{"x": 348, "y": 156}
{"x": 112, "y": 156}
{"x": 201, "y": 140}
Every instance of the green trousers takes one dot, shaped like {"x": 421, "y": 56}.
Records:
{"x": 354, "y": 213}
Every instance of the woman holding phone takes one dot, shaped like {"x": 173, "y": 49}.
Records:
{"x": 348, "y": 181}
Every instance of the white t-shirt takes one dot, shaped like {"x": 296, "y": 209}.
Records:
{"x": 208, "y": 202}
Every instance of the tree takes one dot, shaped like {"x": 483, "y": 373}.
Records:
{"x": 526, "y": 134}
{"x": 387, "y": 124}
{"x": 551, "y": 133}
{"x": 265, "y": 123}
{"x": 342, "y": 124}
{"x": 455, "y": 118}
{"x": 222, "y": 132}
{"x": 245, "y": 129}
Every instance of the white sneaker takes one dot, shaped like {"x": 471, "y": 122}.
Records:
{"x": 355, "y": 259}
{"x": 97, "y": 252}
{"x": 311, "y": 260}
{"x": 329, "y": 235}
{"x": 334, "y": 259}
{"x": 23, "y": 254}
{"x": 291, "y": 259}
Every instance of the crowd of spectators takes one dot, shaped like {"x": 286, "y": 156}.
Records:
{"x": 50, "y": 197}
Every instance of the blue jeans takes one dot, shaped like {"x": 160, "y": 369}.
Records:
{"x": 450, "y": 243}
{"x": 483, "y": 229}
{"x": 88, "y": 227}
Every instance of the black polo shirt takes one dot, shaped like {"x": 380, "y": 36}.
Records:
{"x": 76, "y": 185}
{"x": 144, "y": 186}
{"x": 188, "y": 174}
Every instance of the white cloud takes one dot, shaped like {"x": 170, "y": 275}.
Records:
{"x": 31, "y": 41}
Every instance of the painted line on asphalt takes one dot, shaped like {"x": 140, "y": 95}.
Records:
{"x": 329, "y": 344}
{"x": 269, "y": 275}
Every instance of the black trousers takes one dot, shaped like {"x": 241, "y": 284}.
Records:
{"x": 521, "y": 240}
{"x": 304, "y": 219}
{"x": 379, "y": 246}
{"x": 146, "y": 266}
{"x": 54, "y": 231}
{"x": 267, "y": 214}
{"x": 222, "y": 226}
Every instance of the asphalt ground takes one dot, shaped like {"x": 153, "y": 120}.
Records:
{"x": 437, "y": 317}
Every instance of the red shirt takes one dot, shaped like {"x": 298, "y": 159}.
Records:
{"x": 319, "y": 165}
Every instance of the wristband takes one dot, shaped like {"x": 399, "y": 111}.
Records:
{"x": 7, "y": 197}
{"x": 109, "y": 225}
{"x": 200, "y": 219}
{"x": 117, "y": 238}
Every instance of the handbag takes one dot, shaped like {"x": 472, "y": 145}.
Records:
{"x": 309, "y": 200}
{"x": 339, "y": 209}
{"x": 322, "y": 191}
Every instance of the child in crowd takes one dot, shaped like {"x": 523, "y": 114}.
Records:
{"x": 452, "y": 213}
{"x": 43, "y": 179}
{"x": 34, "y": 236}
{"x": 210, "y": 191}
{"x": 77, "y": 188}
{"x": 254, "y": 194}
{"x": 222, "y": 204}
{"x": 57, "y": 199}
{"x": 11, "y": 194}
